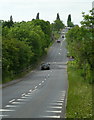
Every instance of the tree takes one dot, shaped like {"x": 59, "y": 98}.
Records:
{"x": 80, "y": 41}
{"x": 37, "y": 17}
{"x": 57, "y": 25}
{"x": 69, "y": 23}
{"x": 58, "y": 17}
{"x": 11, "y": 19}
{"x": 8, "y": 23}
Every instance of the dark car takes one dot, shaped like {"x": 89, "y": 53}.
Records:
{"x": 45, "y": 66}
{"x": 62, "y": 36}
{"x": 58, "y": 41}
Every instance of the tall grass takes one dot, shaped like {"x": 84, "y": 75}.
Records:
{"x": 79, "y": 101}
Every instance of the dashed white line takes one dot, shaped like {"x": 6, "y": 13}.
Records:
{"x": 35, "y": 87}
{"x": 60, "y": 101}
{"x": 24, "y": 97}
{"x": 3, "y": 115}
{"x": 45, "y": 79}
{"x": 20, "y": 99}
{"x": 42, "y": 81}
{"x": 51, "y": 116}
{"x": 53, "y": 111}
{"x": 23, "y": 94}
{"x": 57, "y": 107}
{"x": 10, "y": 106}
{"x": 5, "y": 110}
{"x": 30, "y": 90}
{"x": 15, "y": 102}
{"x": 11, "y": 100}
{"x": 40, "y": 84}
{"x": 56, "y": 103}
{"x": 27, "y": 95}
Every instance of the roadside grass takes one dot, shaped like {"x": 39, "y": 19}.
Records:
{"x": 79, "y": 101}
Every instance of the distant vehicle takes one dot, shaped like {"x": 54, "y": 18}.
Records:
{"x": 45, "y": 66}
{"x": 62, "y": 36}
{"x": 58, "y": 41}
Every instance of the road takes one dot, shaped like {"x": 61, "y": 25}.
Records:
{"x": 41, "y": 93}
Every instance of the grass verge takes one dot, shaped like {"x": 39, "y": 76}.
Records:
{"x": 79, "y": 101}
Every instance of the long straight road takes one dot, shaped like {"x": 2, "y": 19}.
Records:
{"x": 41, "y": 93}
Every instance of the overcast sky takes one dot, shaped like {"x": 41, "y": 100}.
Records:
{"x": 26, "y": 10}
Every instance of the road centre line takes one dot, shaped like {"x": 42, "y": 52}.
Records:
{"x": 40, "y": 84}
{"x": 30, "y": 90}
{"x": 42, "y": 81}
{"x": 48, "y": 75}
{"x": 35, "y": 87}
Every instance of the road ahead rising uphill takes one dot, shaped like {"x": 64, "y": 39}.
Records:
{"x": 41, "y": 93}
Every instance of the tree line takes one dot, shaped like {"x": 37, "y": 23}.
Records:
{"x": 80, "y": 42}
{"x": 24, "y": 43}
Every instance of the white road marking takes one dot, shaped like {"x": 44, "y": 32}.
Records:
{"x": 27, "y": 95}
{"x": 15, "y": 102}
{"x": 51, "y": 116}
{"x": 24, "y": 97}
{"x": 11, "y": 100}
{"x": 10, "y": 106}
{"x": 23, "y": 94}
{"x": 30, "y": 90}
{"x": 55, "y": 107}
{"x": 60, "y": 101}
{"x": 34, "y": 90}
{"x": 59, "y": 53}
{"x": 48, "y": 75}
{"x": 42, "y": 81}
{"x": 5, "y": 110}
{"x": 45, "y": 79}
{"x": 3, "y": 115}
{"x": 53, "y": 111}
{"x": 20, "y": 99}
{"x": 56, "y": 103}
{"x": 35, "y": 87}
{"x": 40, "y": 84}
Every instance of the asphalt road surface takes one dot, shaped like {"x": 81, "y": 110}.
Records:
{"x": 41, "y": 93}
